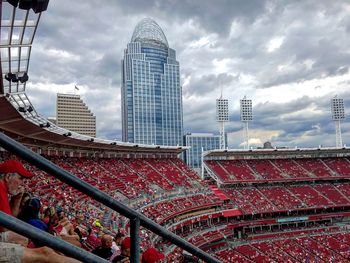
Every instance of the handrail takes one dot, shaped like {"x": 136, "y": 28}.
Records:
{"x": 42, "y": 237}
{"x": 137, "y": 219}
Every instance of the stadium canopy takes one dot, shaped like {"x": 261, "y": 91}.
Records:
{"x": 231, "y": 154}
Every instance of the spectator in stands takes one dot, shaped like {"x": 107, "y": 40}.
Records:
{"x": 25, "y": 197}
{"x": 116, "y": 244}
{"x": 77, "y": 224}
{"x": 30, "y": 214}
{"x": 48, "y": 213}
{"x": 64, "y": 222}
{"x": 152, "y": 255}
{"x": 105, "y": 250}
{"x": 13, "y": 246}
{"x": 125, "y": 251}
{"x": 58, "y": 229}
{"x": 91, "y": 242}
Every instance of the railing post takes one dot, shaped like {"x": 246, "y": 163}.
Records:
{"x": 135, "y": 240}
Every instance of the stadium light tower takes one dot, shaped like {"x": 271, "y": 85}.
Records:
{"x": 246, "y": 117}
{"x": 338, "y": 115}
{"x": 221, "y": 118}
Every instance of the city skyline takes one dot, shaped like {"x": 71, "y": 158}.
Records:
{"x": 289, "y": 61}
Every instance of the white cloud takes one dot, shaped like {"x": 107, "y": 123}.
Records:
{"x": 274, "y": 43}
{"x": 61, "y": 54}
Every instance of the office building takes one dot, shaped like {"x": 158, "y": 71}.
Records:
{"x": 151, "y": 93}
{"x": 74, "y": 115}
{"x": 199, "y": 142}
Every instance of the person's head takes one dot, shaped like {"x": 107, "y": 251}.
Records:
{"x": 50, "y": 212}
{"x": 79, "y": 218}
{"x": 152, "y": 255}
{"x": 30, "y": 209}
{"x": 125, "y": 246}
{"x": 59, "y": 213}
{"x": 118, "y": 238}
{"x": 12, "y": 174}
{"x": 106, "y": 241}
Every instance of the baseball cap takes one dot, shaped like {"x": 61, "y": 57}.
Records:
{"x": 152, "y": 255}
{"x": 126, "y": 243}
{"x": 34, "y": 204}
{"x": 14, "y": 166}
{"x": 59, "y": 211}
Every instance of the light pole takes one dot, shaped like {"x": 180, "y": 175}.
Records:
{"x": 338, "y": 115}
{"x": 221, "y": 118}
{"x": 246, "y": 117}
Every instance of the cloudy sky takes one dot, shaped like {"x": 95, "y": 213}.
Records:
{"x": 289, "y": 57}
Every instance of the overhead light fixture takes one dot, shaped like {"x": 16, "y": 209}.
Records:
{"x": 40, "y": 6}
{"x": 46, "y": 125}
{"x": 25, "y": 4}
{"x": 24, "y": 78}
{"x": 67, "y": 134}
{"x": 21, "y": 109}
{"x": 13, "y": 2}
{"x": 11, "y": 77}
{"x": 30, "y": 108}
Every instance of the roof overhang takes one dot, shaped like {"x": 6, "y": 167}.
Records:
{"x": 230, "y": 154}
{"x": 29, "y": 133}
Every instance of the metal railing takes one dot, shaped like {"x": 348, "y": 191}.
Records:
{"x": 136, "y": 219}
{"x": 18, "y": 226}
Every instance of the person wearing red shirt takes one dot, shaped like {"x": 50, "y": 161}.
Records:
{"x": 152, "y": 255}
{"x": 13, "y": 246}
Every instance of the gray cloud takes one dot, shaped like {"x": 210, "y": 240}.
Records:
{"x": 208, "y": 83}
{"x": 221, "y": 45}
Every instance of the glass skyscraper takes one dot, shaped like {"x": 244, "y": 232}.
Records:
{"x": 151, "y": 93}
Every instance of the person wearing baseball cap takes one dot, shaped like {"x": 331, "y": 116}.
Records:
{"x": 125, "y": 251}
{"x": 13, "y": 247}
{"x": 12, "y": 174}
{"x": 152, "y": 255}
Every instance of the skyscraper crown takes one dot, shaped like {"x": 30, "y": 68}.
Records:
{"x": 147, "y": 30}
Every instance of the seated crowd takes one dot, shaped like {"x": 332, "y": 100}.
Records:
{"x": 53, "y": 207}
{"x": 230, "y": 171}
{"x": 160, "y": 189}
{"x": 311, "y": 247}
{"x": 259, "y": 199}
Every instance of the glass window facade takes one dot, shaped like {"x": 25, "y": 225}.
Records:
{"x": 151, "y": 91}
{"x": 197, "y": 142}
